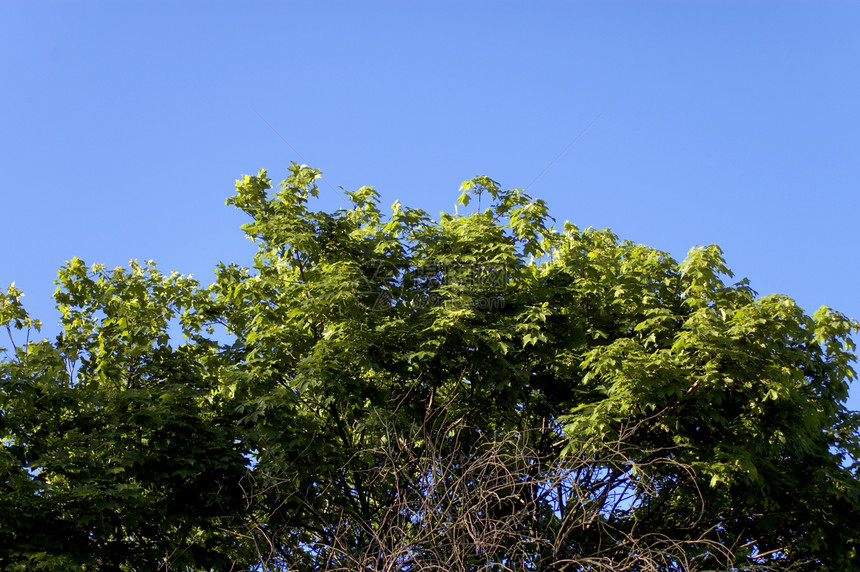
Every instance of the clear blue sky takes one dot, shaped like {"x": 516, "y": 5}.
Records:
{"x": 123, "y": 125}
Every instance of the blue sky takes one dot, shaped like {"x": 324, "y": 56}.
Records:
{"x": 123, "y": 125}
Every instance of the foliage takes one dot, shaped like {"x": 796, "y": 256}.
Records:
{"x": 479, "y": 392}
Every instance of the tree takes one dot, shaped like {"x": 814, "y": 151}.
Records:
{"x": 477, "y": 392}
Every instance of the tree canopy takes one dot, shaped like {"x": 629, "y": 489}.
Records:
{"x": 486, "y": 390}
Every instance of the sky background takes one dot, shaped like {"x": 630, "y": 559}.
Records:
{"x": 124, "y": 125}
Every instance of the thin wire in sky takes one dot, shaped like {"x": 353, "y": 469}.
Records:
{"x": 563, "y": 151}
{"x": 304, "y": 161}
